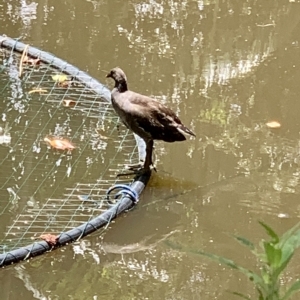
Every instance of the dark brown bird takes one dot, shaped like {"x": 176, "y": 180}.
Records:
{"x": 145, "y": 116}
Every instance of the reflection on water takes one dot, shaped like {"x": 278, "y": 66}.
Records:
{"x": 227, "y": 68}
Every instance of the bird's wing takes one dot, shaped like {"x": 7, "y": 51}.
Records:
{"x": 155, "y": 119}
{"x": 151, "y": 116}
{"x": 160, "y": 117}
{"x": 151, "y": 111}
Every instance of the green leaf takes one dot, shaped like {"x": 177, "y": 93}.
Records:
{"x": 273, "y": 255}
{"x": 245, "y": 242}
{"x": 293, "y": 289}
{"x": 173, "y": 245}
{"x": 230, "y": 263}
{"x": 261, "y": 295}
{"x": 265, "y": 274}
{"x": 287, "y": 250}
{"x": 282, "y": 266}
{"x": 270, "y": 232}
{"x": 241, "y": 295}
{"x": 251, "y": 275}
{"x": 291, "y": 237}
{"x": 59, "y": 77}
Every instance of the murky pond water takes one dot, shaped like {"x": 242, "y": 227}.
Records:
{"x": 227, "y": 68}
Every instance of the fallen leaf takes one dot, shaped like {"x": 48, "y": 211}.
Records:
{"x": 38, "y": 90}
{"x": 273, "y": 124}
{"x": 65, "y": 84}
{"x": 59, "y": 78}
{"x": 69, "y": 103}
{"x": 51, "y": 239}
{"x": 103, "y": 137}
{"x": 31, "y": 61}
{"x": 59, "y": 143}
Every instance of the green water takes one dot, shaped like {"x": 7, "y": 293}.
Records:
{"x": 226, "y": 68}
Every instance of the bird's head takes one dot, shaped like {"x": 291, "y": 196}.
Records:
{"x": 118, "y": 75}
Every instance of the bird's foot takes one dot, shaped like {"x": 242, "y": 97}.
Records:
{"x": 134, "y": 167}
{"x": 138, "y": 166}
{"x": 137, "y": 170}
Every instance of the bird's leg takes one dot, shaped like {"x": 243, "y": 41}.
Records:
{"x": 149, "y": 150}
{"x": 148, "y": 162}
{"x": 134, "y": 167}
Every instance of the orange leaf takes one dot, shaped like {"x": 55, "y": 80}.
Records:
{"x": 59, "y": 143}
{"x": 51, "y": 239}
{"x": 273, "y": 124}
{"x": 69, "y": 103}
{"x": 31, "y": 61}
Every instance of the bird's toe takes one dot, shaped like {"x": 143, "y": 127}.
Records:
{"x": 134, "y": 167}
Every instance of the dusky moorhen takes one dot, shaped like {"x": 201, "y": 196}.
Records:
{"x": 145, "y": 116}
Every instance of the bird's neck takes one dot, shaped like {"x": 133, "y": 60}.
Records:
{"x": 121, "y": 86}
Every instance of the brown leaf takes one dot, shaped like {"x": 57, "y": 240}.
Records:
{"x": 31, "y": 61}
{"x": 65, "y": 84}
{"x": 69, "y": 103}
{"x": 273, "y": 124}
{"x": 51, "y": 239}
{"x": 103, "y": 137}
{"x": 59, "y": 143}
{"x": 37, "y": 90}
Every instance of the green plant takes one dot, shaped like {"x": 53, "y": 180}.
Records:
{"x": 273, "y": 255}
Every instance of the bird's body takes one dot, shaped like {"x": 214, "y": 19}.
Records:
{"x": 145, "y": 116}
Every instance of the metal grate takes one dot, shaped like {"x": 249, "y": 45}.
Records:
{"x": 44, "y": 190}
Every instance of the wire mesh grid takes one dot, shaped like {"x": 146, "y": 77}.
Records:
{"x": 45, "y": 190}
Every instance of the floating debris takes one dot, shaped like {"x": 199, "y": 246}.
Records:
{"x": 37, "y": 90}
{"x": 62, "y": 80}
{"x": 273, "y": 124}
{"x": 13, "y": 197}
{"x": 59, "y": 78}
{"x": 69, "y": 103}
{"x": 51, "y": 239}
{"x": 103, "y": 137}
{"x": 59, "y": 143}
{"x": 65, "y": 84}
{"x": 283, "y": 216}
{"x": 31, "y": 61}
{"x": 5, "y": 137}
{"x": 24, "y": 54}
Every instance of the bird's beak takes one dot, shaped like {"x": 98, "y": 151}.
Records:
{"x": 108, "y": 75}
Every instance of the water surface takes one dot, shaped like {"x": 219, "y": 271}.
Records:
{"x": 227, "y": 68}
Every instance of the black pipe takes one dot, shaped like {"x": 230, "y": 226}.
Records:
{"x": 57, "y": 63}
